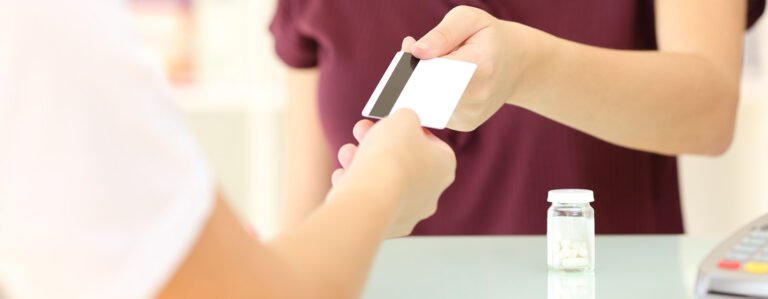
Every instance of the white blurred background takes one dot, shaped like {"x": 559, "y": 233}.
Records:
{"x": 229, "y": 84}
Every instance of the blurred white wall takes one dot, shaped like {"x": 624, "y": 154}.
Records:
{"x": 721, "y": 194}
{"x": 235, "y": 104}
{"x": 240, "y": 94}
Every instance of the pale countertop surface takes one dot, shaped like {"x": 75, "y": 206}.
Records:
{"x": 627, "y": 267}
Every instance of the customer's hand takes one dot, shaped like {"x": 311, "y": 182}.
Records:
{"x": 497, "y": 47}
{"x": 424, "y": 166}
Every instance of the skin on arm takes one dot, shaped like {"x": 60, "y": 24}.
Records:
{"x": 391, "y": 182}
{"x": 227, "y": 263}
{"x": 307, "y": 158}
{"x": 679, "y": 99}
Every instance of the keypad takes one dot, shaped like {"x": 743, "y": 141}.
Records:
{"x": 750, "y": 254}
{"x": 756, "y": 268}
{"x": 734, "y": 256}
{"x": 759, "y": 234}
{"x": 729, "y": 265}
{"x": 752, "y": 242}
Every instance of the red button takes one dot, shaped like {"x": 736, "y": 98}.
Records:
{"x": 729, "y": 265}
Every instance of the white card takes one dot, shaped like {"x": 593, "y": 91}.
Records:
{"x": 432, "y": 88}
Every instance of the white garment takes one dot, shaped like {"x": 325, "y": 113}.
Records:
{"x": 103, "y": 191}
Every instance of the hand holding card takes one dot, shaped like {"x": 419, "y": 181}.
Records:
{"x": 394, "y": 153}
{"x": 501, "y": 51}
{"x": 432, "y": 88}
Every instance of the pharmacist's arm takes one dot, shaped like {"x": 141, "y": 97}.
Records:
{"x": 679, "y": 99}
{"x": 307, "y": 162}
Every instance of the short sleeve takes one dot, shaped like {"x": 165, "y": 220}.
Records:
{"x": 103, "y": 190}
{"x": 755, "y": 10}
{"x": 293, "y": 44}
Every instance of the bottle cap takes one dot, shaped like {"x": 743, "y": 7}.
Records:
{"x": 571, "y": 196}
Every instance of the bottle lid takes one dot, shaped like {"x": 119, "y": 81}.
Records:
{"x": 571, "y": 196}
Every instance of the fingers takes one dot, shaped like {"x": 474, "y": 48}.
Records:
{"x": 410, "y": 119}
{"x": 457, "y": 26}
{"x": 399, "y": 232}
{"x": 361, "y": 128}
{"x": 427, "y": 132}
{"x": 430, "y": 135}
{"x": 336, "y": 176}
{"x": 347, "y": 154}
{"x": 407, "y": 44}
{"x": 444, "y": 151}
{"x": 443, "y": 148}
{"x": 405, "y": 116}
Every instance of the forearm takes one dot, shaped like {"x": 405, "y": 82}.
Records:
{"x": 308, "y": 162}
{"x": 306, "y": 172}
{"x": 327, "y": 256}
{"x": 669, "y": 103}
{"x": 337, "y": 244}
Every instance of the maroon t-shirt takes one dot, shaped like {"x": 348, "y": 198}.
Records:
{"x": 508, "y": 164}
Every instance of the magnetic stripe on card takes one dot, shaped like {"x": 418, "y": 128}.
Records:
{"x": 395, "y": 85}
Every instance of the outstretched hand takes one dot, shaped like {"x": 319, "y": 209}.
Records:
{"x": 422, "y": 165}
{"x": 472, "y": 35}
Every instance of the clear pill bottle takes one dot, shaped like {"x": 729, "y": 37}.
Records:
{"x": 571, "y": 230}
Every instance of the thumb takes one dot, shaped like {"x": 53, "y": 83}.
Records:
{"x": 405, "y": 117}
{"x": 458, "y": 25}
{"x": 407, "y": 44}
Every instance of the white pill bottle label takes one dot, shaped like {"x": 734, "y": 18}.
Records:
{"x": 571, "y": 230}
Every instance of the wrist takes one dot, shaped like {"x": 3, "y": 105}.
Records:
{"x": 536, "y": 52}
{"x": 379, "y": 184}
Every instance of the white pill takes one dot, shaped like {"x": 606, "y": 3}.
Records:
{"x": 572, "y": 253}
{"x": 583, "y": 252}
{"x": 576, "y": 262}
{"x": 580, "y": 245}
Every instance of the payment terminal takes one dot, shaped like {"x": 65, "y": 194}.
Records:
{"x": 738, "y": 267}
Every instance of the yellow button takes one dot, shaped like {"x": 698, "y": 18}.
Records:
{"x": 757, "y": 268}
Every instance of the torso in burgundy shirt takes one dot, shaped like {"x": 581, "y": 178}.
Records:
{"x": 508, "y": 164}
